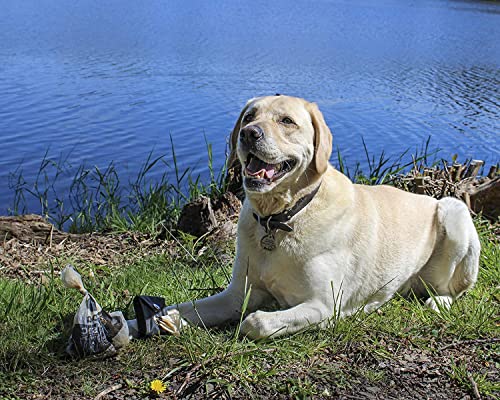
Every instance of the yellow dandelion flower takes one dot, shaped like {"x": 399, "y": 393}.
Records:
{"x": 157, "y": 386}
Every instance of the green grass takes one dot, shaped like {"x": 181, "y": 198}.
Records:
{"x": 382, "y": 169}
{"x": 97, "y": 199}
{"x": 33, "y": 332}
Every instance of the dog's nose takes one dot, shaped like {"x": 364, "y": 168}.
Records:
{"x": 254, "y": 132}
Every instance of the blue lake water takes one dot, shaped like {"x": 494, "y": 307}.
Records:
{"x": 93, "y": 82}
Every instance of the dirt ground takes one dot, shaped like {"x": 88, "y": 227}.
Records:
{"x": 411, "y": 373}
{"x": 31, "y": 260}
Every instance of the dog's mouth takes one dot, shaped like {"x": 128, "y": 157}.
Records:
{"x": 257, "y": 169}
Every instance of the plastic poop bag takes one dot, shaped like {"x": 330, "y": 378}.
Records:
{"x": 94, "y": 331}
{"x": 152, "y": 317}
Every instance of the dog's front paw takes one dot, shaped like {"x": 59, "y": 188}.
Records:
{"x": 439, "y": 303}
{"x": 257, "y": 326}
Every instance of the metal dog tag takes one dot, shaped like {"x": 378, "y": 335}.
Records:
{"x": 268, "y": 242}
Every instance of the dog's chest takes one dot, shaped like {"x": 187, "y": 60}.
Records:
{"x": 282, "y": 277}
{"x": 281, "y": 269}
{"x": 281, "y": 289}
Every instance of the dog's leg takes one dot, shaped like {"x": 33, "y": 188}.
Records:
{"x": 227, "y": 306}
{"x": 219, "y": 309}
{"x": 261, "y": 324}
{"x": 222, "y": 308}
{"x": 437, "y": 303}
{"x": 215, "y": 310}
{"x": 454, "y": 268}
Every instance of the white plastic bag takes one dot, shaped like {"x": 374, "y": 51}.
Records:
{"x": 94, "y": 330}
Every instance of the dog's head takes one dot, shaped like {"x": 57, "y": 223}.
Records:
{"x": 281, "y": 142}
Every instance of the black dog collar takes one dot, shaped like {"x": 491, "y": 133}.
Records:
{"x": 279, "y": 221}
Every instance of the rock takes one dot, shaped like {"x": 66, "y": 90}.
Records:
{"x": 205, "y": 215}
{"x": 197, "y": 217}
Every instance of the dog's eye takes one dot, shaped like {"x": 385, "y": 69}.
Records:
{"x": 287, "y": 121}
{"x": 248, "y": 118}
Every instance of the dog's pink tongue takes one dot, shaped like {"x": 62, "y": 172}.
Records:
{"x": 257, "y": 167}
{"x": 269, "y": 172}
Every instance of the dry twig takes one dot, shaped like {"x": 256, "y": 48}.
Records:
{"x": 108, "y": 390}
{"x": 473, "y": 383}
{"x": 470, "y": 341}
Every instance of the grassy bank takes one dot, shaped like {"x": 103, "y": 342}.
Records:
{"x": 91, "y": 199}
{"x": 99, "y": 199}
{"x": 402, "y": 351}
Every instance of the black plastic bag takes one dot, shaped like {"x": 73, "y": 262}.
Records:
{"x": 146, "y": 308}
{"x": 153, "y": 318}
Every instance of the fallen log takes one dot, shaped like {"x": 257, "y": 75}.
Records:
{"x": 31, "y": 228}
{"x": 485, "y": 198}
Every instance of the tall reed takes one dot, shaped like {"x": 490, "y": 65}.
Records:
{"x": 96, "y": 199}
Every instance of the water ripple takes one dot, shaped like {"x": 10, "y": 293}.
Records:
{"x": 113, "y": 80}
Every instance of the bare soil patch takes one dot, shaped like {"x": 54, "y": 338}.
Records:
{"x": 31, "y": 247}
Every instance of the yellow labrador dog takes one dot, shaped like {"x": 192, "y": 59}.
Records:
{"x": 319, "y": 244}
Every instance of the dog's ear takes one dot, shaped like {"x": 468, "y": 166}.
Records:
{"x": 233, "y": 138}
{"x": 322, "y": 139}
